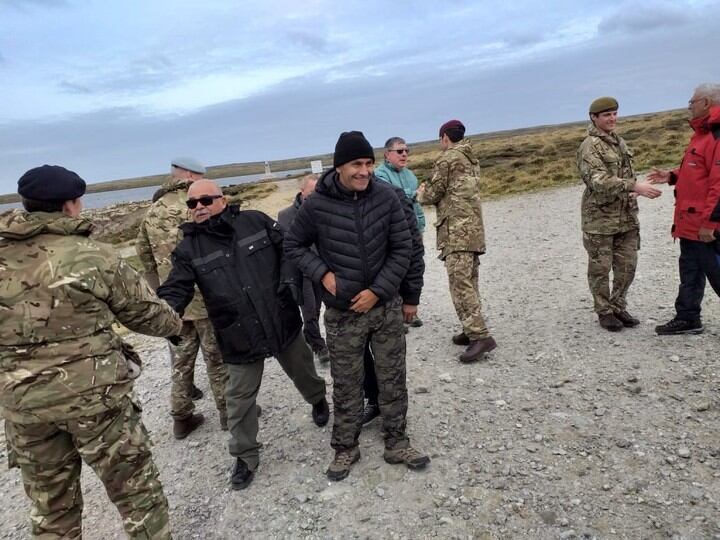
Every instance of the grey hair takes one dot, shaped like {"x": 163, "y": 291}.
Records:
{"x": 710, "y": 91}
{"x": 303, "y": 180}
{"x": 393, "y": 141}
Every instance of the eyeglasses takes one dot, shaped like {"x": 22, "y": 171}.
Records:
{"x": 205, "y": 200}
{"x": 400, "y": 150}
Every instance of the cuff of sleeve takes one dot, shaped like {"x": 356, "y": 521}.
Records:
{"x": 319, "y": 272}
{"x": 411, "y": 298}
{"x": 629, "y": 184}
{"x": 673, "y": 178}
{"x": 379, "y": 293}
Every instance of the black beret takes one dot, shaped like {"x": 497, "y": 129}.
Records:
{"x": 603, "y": 104}
{"x": 352, "y": 145}
{"x": 452, "y": 124}
{"x": 51, "y": 183}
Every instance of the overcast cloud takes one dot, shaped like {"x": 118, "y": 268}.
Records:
{"x": 117, "y": 89}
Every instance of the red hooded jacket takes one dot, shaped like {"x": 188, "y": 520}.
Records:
{"x": 697, "y": 180}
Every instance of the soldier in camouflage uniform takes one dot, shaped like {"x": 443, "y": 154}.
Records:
{"x": 158, "y": 235}
{"x": 611, "y": 230}
{"x": 455, "y": 189}
{"x": 66, "y": 377}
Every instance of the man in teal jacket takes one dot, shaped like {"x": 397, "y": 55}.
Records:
{"x": 394, "y": 171}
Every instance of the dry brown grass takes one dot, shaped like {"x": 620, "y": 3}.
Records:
{"x": 544, "y": 157}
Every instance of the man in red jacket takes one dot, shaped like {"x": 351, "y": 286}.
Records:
{"x": 697, "y": 211}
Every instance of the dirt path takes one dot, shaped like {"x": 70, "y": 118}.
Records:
{"x": 565, "y": 431}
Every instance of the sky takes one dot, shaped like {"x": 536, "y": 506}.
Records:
{"x": 116, "y": 89}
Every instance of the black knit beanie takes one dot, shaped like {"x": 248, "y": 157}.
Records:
{"x": 352, "y": 145}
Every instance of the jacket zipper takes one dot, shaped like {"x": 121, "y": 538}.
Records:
{"x": 361, "y": 238}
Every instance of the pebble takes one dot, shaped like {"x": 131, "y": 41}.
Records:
{"x": 445, "y": 520}
{"x": 674, "y": 358}
{"x": 702, "y": 406}
{"x": 422, "y": 390}
{"x": 683, "y": 452}
{"x": 445, "y": 377}
{"x": 570, "y": 533}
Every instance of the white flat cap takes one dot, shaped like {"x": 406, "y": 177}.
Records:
{"x": 189, "y": 164}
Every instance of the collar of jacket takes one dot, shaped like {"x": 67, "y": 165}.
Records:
{"x": 610, "y": 138}
{"x": 393, "y": 167}
{"x": 705, "y": 124}
{"x": 170, "y": 185}
{"x": 329, "y": 184}
{"x": 298, "y": 201}
{"x": 19, "y": 224}
{"x": 465, "y": 148}
{"x": 219, "y": 225}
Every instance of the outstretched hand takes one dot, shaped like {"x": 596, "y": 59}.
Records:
{"x": 658, "y": 176}
{"x": 646, "y": 189}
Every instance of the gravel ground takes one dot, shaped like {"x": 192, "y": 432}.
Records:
{"x": 564, "y": 431}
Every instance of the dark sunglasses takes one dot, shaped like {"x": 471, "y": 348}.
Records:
{"x": 401, "y": 150}
{"x": 205, "y": 200}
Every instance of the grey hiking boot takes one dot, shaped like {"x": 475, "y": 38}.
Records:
{"x": 409, "y": 456}
{"x": 340, "y": 466}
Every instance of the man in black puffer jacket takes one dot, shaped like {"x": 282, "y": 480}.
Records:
{"x": 235, "y": 258}
{"x": 364, "y": 249}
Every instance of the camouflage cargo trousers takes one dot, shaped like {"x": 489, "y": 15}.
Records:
{"x": 196, "y": 335}
{"x": 616, "y": 252}
{"x": 117, "y": 447}
{"x": 462, "y": 270}
{"x": 346, "y": 333}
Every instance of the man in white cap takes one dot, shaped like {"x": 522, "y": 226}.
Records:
{"x": 158, "y": 236}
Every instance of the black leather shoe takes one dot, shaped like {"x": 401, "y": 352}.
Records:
{"x": 678, "y": 326}
{"x": 241, "y": 475}
{"x": 196, "y": 393}
{"x": 372, "y": 411}
{"x": 321, "y": 412}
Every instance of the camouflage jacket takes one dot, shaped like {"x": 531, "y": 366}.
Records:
{"x": 160, "y": 233}
{"x": 60, "y": 294}
{"x": 455, "y": 189}
{"x": 605, "y": 164}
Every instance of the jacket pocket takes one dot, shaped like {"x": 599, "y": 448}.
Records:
{"x": 232, "y": 339}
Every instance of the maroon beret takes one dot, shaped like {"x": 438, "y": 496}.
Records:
{"x": 451, "y": 124}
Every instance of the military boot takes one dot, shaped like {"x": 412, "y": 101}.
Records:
{"x": 340, "y": 466}
{"x": 610, "y": 322}
{"x": 477, "y": 348}
{"x": 196, "y": 393}
{"x": 409, "y": 456}
{"x": 183, "y": 428}
{"x": 461, "y": 339}
{"x": 626, "y": 319}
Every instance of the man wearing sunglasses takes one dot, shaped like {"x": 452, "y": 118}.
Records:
{"x": 394, "y": 171}
{"x": 158, "y": 235}
{"x": 235, "y": 259}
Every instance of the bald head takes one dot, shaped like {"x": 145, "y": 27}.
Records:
{"x": 205, "y": 199}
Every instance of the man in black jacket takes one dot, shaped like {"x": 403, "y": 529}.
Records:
{"x": 364, "y": 249}
{"x": 235, "y": 258}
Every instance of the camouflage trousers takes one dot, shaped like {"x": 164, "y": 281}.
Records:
{"x": 117, "y": 447}
{"x": 347, "y": 333}
{"x": 196, "y": 335}
{"x": 462, "y": 270}
{"x": 616, "y": 252}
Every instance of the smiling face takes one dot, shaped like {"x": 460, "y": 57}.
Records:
{"x": 207, "y": 199}
{"x": 605, "y": 121}
{"x": 355, "y": 175}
